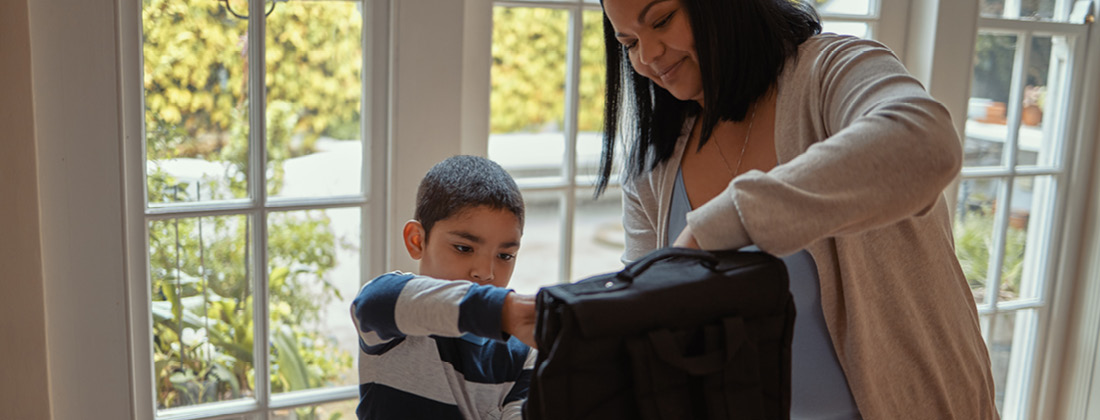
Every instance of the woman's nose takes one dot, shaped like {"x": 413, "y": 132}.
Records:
{"x": 649, "y": 50}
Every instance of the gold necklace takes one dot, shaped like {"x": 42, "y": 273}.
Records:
{"x": 744, "y": 145}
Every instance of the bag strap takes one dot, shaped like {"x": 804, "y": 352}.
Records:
{"x": 638, "y": 267}
{"x": 665, "y": 346}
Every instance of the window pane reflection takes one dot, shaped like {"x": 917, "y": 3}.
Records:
{"x": 974, "y": 231}
{"x": 1010, "y": 342}
{"x": 313, "y": 272}
{"x": 527, "y": 101}
{"x": 202, "y": 310}
{"x": 857, "y": 29}
{"x": 843, "y": 7}
{"x": 539, "y": 256}
{"x": 196, "y": 101}
{"x": 598, "y": 237}
{"x": 1027, "y": 243}
{"x": 986, "y": 129}
{"x": 314, "y": 63}
{"x": 1041, "y": 131}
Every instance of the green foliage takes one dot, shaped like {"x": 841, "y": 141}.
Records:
{"x": 202, "y": 307}
{"x": 196, "y": 106}
{"x": 974, "y": 240}
{"x": 529, "y": 68}
{"x": 196, "y": 71}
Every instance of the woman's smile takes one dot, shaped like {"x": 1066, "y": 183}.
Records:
{"x": 670, "y": 72}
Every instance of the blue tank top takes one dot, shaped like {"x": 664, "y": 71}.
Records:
{"x": 819, "y": 389}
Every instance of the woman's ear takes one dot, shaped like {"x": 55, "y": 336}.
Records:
{"x": 415, "y": 239}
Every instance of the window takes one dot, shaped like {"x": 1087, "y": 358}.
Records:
{"x": 257, "y": 167}
{"x": 546, "y": 120}
{"x": 1019, "y": 139}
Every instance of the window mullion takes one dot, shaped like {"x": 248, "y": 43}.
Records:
{"x": 569, "y": 167}
{"x": 996, "y": 253}
{"x": 1015, "y": 98}
{"x": 258, "y": 194}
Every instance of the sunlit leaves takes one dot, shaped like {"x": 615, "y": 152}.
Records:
{"x": 529, "y": 69}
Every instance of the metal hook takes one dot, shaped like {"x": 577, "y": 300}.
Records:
{"x": 245, "y": 17}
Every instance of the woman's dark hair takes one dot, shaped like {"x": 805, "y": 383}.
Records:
{"x": 728, "y": 33}
{"x": 463, "y": 182}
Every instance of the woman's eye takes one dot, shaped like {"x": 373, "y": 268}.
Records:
{"x": 664, "y": 20}
{"x": 463, "y": 248}
{"x": 630, "y": 45}
{"x": 507, "y": 257}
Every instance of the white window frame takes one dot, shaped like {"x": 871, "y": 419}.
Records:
{"x": 1026, "y": 380}
{"x": 371, "y": 202}
{"x": 1068, "y": 359}
{"x": 566, "y": 184}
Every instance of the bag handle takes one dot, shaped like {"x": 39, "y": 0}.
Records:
{"x": 638, "y": 267}
{"x": 665, "y": 347}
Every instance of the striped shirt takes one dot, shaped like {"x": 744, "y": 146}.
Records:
{"x": 434, "y": 349}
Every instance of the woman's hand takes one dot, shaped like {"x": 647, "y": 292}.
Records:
{"x": 686, "y": 239}
{"x": 518, "y": 317}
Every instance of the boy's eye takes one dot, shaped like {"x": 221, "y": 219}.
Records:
{"x": 507, "y": 257}
{"x": 463, "y": 248}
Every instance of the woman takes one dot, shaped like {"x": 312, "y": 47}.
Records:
{"x": 747, "y": 127}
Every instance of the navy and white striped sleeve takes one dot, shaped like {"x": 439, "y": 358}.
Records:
{"x": 395, "y": 305}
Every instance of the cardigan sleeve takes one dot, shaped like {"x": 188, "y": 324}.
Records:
{"x": 639, "y": 225}
{"x": 875, "y": 149}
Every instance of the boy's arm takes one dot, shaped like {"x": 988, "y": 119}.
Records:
{"x": 396, "y": 305}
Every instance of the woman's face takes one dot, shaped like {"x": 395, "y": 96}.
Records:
{"x": 657, "y": 37}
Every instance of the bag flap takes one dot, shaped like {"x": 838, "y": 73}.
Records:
{"x": 675, "y": 291}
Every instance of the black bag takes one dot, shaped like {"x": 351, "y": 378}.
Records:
{"x": 679, "y": 334}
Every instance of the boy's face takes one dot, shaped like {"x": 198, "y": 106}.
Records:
{"x": 478, "y": 244}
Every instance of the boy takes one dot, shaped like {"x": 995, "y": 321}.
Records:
{"x": 436, "y": 345}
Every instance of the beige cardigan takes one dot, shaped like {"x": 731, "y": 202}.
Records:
{"x": 864, "y": 154}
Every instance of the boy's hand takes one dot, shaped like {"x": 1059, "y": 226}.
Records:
{"x": 518, "y": 317}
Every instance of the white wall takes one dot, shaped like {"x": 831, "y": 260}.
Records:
{"x": 426, "y": 114}
{"x": 74, "y": 57}
{"x": 23, "y": 386}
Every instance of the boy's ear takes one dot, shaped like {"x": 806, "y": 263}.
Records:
{"x": 415, "y": 238}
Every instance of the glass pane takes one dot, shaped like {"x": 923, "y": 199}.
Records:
{"x": 196, "y": 100}
{"x": 527, "y": 102}
{"x": 314, "y": 66}
{"x": 843, "y": 7}
{"x": 986, "y": 115}
{"x": 201, "y": 310}
{"x": 1019, "y": 9}
{"x": 314, "y": 271}
{"x": 1026, "y": 244}
{"x": 1047, "y": 77}
{"x": 539, "y": 256}
{"x": 598, "y": 236}
{"x": 859, "y": 29}
{"x": 1011, "y": 341}
{"x": 592, "y": 88}
{"x": 974, "y": 231}
{"x": 340, "y": 410}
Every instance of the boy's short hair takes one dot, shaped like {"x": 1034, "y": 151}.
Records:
{"x": 462, "y": 182}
